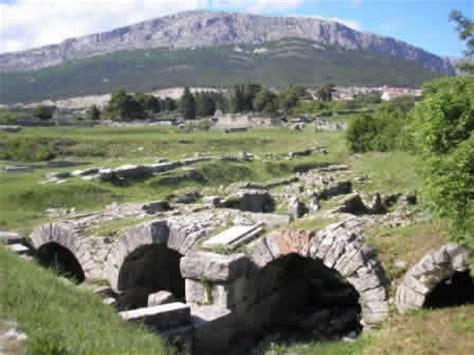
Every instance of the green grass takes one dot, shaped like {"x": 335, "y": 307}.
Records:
{"x": 61, "y": 319}
{"x": 427, "y": 332}
{"x": 387, "y": 172}
{"x": 407, "y": 244}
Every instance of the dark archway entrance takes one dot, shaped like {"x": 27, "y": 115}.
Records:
{"x": 454, "y": 291}
{"x": 296, "y": 298}
{"x": 146, "y": 270}
{"x": 62, "y": 260}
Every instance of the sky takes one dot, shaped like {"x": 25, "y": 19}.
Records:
{"x": 27, "y": 24}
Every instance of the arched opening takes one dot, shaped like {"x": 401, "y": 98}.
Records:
{"x": 296, "y": 298}
{"x": 146, "y": 270}
{"x": 454, "y": 291}
{"x": 62, "y": 260}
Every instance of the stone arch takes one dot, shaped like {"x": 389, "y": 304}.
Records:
{"x": 180, "y": 235}
{"x": 339, "y": 250}
{"x": 54, "y": 255}
{"x": 423, "y": 277}
{"x": 135, "y": 238}
{"x": 63, "y": 237}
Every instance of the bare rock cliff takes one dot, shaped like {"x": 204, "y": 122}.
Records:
{"x": 203, "y": 29}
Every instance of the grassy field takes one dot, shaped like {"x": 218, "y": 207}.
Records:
{"x": 23, "y": 200}
{"x": 62, "y": 319}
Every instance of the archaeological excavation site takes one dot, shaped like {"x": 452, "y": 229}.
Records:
{"x": 225, "y": 273}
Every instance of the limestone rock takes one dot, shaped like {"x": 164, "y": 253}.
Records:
{"x": 160, "y": 297}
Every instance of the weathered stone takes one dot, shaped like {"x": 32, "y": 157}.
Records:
{"x": 213, "y": 267}
{"x": 338, "y": 188}
{"x": 160, "y": 317}
{"x": 259, "y": 253}
{"x": 160, "y": 297}
{"x": 233, "y": 237}
{"x": 10, "y": 238}
{"x": 353, "y": 204}
{"x": 376, "y": 206}
{"x": 424, "y": 276}
{"x": 196, "y": 292}
{"x": 229, "y": 294}
{"x": 288, "y": 242}
{"x": 157, "y": 206}
{"x": 250, "y": 200}
{"x": 296, "y": 208}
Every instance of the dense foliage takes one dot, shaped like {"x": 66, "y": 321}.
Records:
{"x": 381, "y": 131}
{"x": 187, "y": 105}
{"x": 443, "y": 130}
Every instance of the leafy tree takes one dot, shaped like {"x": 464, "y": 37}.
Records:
{"x": 249, "y": 92}
{"x": 237, "y": 101}
{"x": 123, "y": 106}
{"x": 8, "y": 117}
{"x": 443, "y": 129}
{"x": 168, "y": 104}
{"x": 188, "y": 105}
{"x": 44, "y": 112}
{"x": 289, "y": 99}
{"x": 93, "y": 113}
{"x": 266, "y": 101}
{"x": 465, "y": 28}
{"x": 445, "y": 116}
{"x": 205, "y": 104}
{"x": 149, "y": 103}
{"x": 382, "y": 131}
{"x": 361, "y": 132}
{"x": 325, "y": 92}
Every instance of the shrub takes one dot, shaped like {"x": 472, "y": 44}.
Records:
{"x": 443, "y": 131}
{"x": 361, "y": 133}
{"x": 382, "y": 131}
{"x": 7, "y": 117}
{"x": 44, "y": 112}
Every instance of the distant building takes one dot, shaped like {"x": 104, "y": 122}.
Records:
{"x": 390, "y": 93}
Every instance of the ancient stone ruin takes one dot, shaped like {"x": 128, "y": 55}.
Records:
{"x": 440, "y": 279}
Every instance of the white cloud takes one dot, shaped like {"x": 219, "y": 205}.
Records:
{"x": 256, "y": 6}
{"x": 354, "y": 24}
{"x": 32, "y": 23}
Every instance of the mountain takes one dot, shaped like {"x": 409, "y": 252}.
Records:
{"x": 192, "y": 29}
{"x": 202, "y": 48}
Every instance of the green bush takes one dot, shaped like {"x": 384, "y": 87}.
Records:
{"x": 7, "y": 117}
{"x": 384, "y": 130}
{"x": 443, "y": 131}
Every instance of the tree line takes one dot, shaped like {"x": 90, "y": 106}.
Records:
{"x": 241, "y": 98}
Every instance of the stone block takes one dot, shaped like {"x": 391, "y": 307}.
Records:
{"x": 259, "y": 253}
{"x": 231, "y": 237}
{"x": 10, "y": 238}
{"x": 160, "y": 317}
{"x": 213, "y": 267}
{"x": 229, "y": 294}
{"x": 160, "y": 297}
{"x": 195, "y": 292}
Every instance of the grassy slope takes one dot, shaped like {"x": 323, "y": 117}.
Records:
{"x": 287, "y": 62}
{"x": 60, "y": 319}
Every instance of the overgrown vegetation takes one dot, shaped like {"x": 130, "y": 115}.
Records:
{"x": 443, "y": 131}
{"x": 61, "y": 319}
